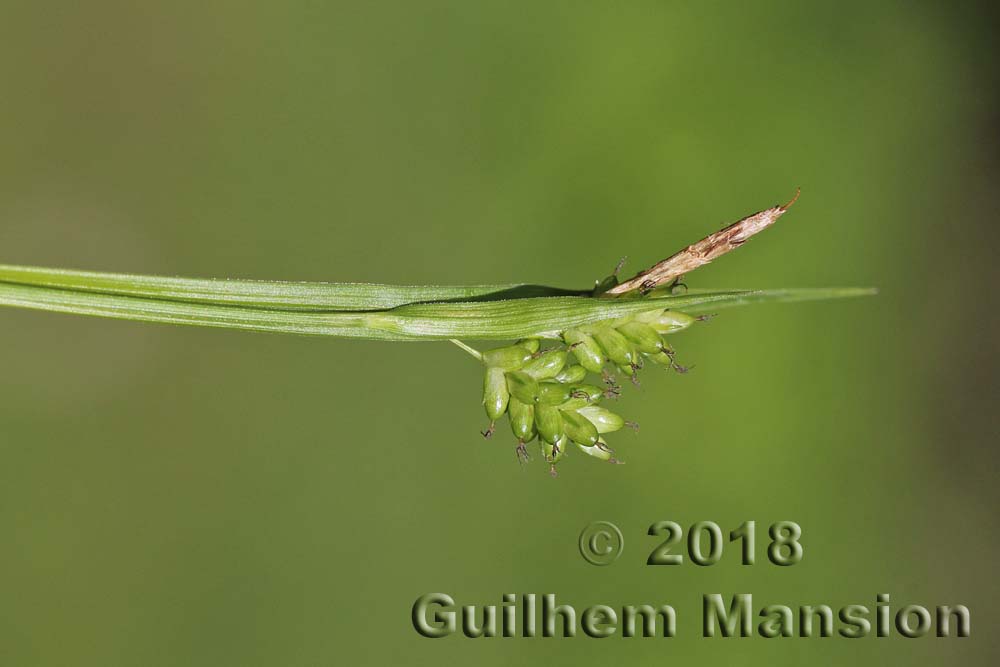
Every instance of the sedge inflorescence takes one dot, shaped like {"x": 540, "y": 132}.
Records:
{"x": 545, "y": 393}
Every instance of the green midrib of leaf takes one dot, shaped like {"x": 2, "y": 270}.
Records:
{"x": 354, "y": 310}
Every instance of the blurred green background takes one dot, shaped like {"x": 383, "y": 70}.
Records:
{"x": 173, "y": 496}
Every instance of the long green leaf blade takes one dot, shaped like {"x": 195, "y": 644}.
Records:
{"x": 279, "y": 295}
{"x": 487, "y": 320}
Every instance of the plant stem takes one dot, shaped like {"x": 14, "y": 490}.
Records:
{"x": 474, "y": 352}
{"x": 388, "y": 312}
{"x": 506, "y": 319}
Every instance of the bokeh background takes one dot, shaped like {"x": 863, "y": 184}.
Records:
{"x": 201, "y": 497}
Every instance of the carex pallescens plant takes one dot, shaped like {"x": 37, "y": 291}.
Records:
{"x": 546, "y": 393}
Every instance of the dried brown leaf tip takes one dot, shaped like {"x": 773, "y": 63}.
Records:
{"x": 704, "y": 251}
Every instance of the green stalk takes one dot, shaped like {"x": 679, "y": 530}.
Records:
{"x": 351, "y": 310}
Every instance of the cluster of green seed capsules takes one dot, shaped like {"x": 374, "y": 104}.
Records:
{"x": 545, "y": 393}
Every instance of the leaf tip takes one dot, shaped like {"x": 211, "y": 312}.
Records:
{"x": 785, "y": 207}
